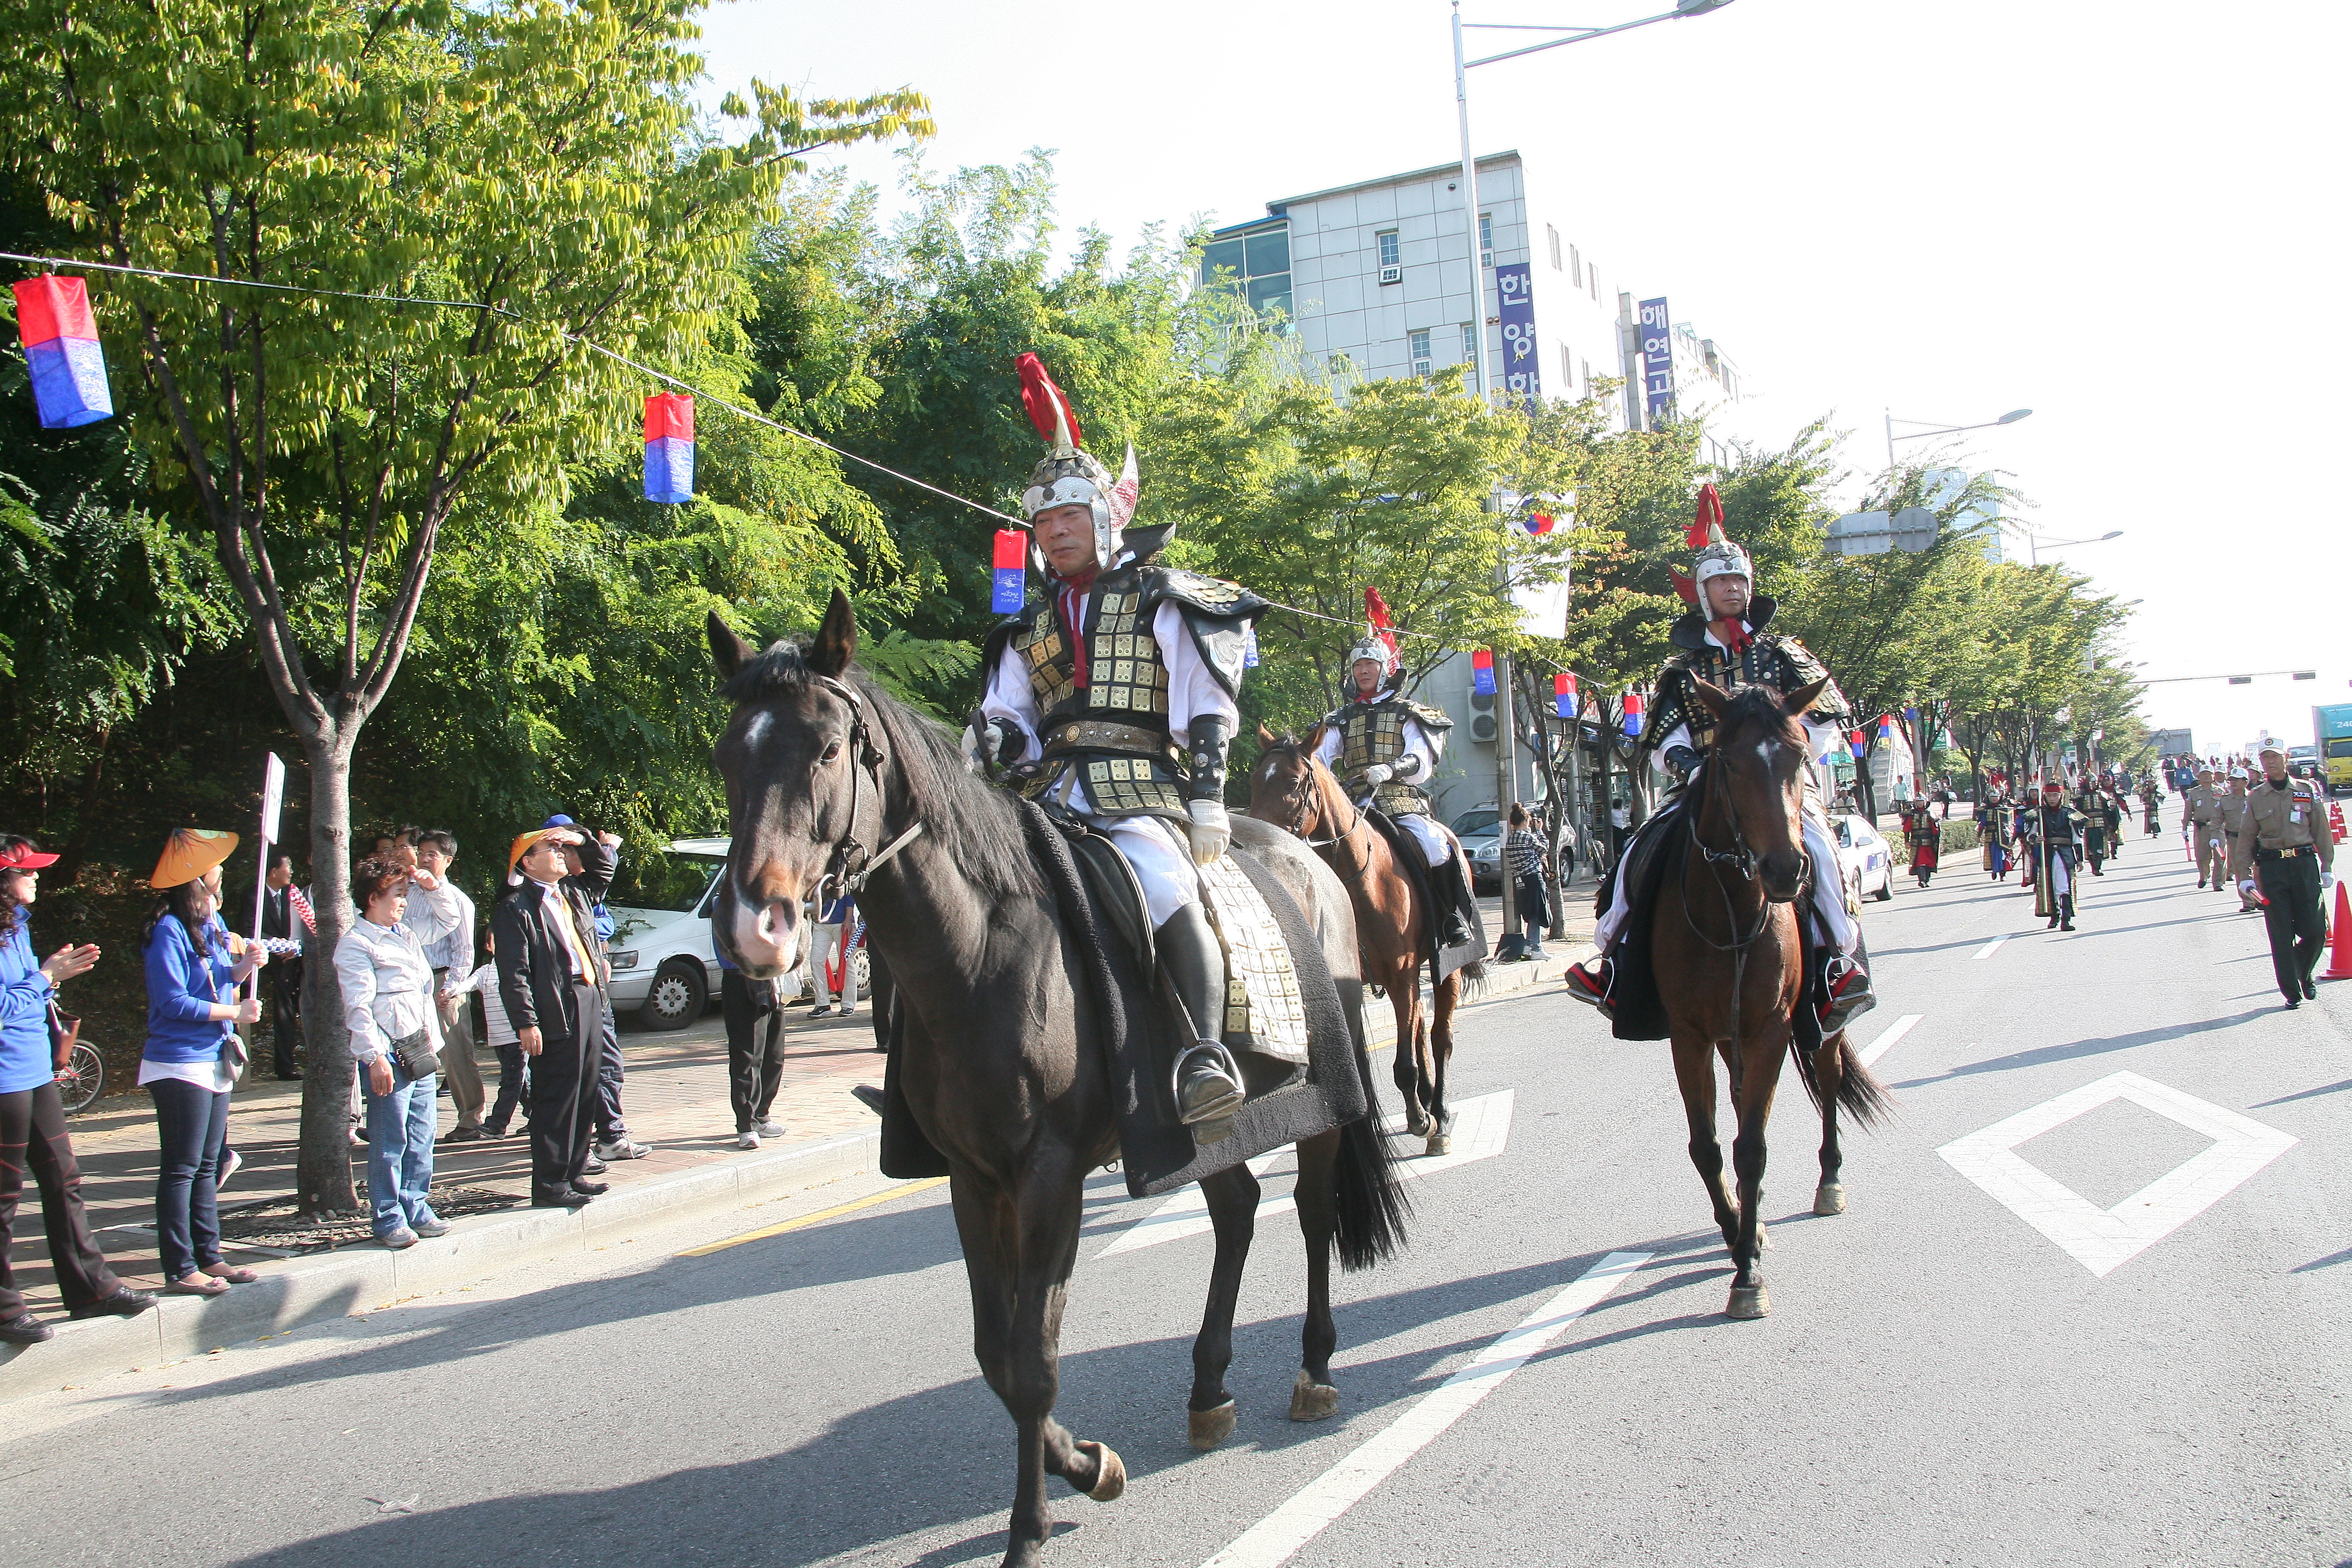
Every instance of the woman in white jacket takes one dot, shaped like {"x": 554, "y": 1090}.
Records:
{"x": 388, "y": 988}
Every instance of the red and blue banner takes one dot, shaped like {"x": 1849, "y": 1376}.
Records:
{"x": 1563, "y": 694}
{"x": 1886, "y": 727}
{"x": 1860, "y": 746}
{"x": 1634, "y": 708}
{"x": 61, "y": 347}
{"x": 1538, "y": 523}
{"x": 1482, "y": 672}
{"x": 670, "y": 448}
{"x": 1010, "y": 584}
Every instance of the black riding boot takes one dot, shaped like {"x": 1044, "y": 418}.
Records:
{"x": 1208, "y": 1080}
{"x": 1446, "y": 882}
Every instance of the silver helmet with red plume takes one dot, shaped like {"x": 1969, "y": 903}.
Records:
{"x": 1067, "y": 476}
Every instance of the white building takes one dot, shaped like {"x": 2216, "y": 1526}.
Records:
{"x": 1377, "y": 273}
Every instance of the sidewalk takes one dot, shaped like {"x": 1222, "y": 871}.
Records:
{"x": 675, "y": 1101}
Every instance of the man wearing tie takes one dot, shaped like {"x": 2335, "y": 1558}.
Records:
{"x": 552, "y": 985}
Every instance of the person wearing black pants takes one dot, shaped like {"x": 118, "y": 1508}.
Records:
{"x": 280, "y": 919}
{"x": 2287, "y": 848}
{"x": 552, "y": 984}
{"x": 755, "y": 1053}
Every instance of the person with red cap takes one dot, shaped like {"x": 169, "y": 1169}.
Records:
{"x": 33, "y": 1118}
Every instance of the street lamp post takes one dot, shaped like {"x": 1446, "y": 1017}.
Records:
{"x": 2034, "y": 541}
{"x": 1934, "y": 427}
{"x": 1506, "y": 750}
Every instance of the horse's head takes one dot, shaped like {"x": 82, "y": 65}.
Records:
{"x": 1756, "y": 769}
{"x": 792, "y": 758}
{"x": 1283, "y": 785}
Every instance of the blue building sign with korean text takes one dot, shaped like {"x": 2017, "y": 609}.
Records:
{"x": 1657, "y": 361}
{"x": 1522, "y": 376}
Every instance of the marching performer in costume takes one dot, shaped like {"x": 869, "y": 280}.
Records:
{"x": 1111, "y": 696}
{"x": 1926, "y": 837}
{"x": 1384, "y": 748}
{"x": 1726, "y": 643}
{"x": 2202, "y": 821}
{"x": 2054, "y": 833}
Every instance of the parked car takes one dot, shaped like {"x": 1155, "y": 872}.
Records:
{"x": 663, "y": 963}
{"x": 1868, "y": 859}
{"x": 1481, "y": 834}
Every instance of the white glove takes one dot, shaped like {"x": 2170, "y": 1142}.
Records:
{"x": 1378, "y": 773}
{"x": 1211, "y": 830}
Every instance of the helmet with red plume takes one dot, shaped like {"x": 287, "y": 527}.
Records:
{"x": 1067, "y": 476}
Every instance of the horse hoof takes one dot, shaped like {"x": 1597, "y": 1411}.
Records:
{"x": 1111, "y": 1473}
{"x": 1312, "y": 1400}
{"x": 1440, "y": 1143}
{"x": 1829, "y": 1199}
{"x": 1748, "y": 1301}
{"x": 1207, "y": 1428}
{"x": 1417, "y": 1125}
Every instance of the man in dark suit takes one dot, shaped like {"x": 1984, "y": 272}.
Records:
{"x": 553, "y": 982}
{"x": 282, "y": 918}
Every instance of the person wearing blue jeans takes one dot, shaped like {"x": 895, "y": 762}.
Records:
{"x": 389, "y": 1006}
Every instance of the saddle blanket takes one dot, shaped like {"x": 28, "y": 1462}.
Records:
{"x": 1264, "y": 1011}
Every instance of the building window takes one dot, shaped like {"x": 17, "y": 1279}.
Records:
{"x": 1486, "y": 240}
{"x": 1387, "y": 241}
{"x": 1417, "y": 344}
{"x": 1587, "y": 365}
{"x": 1553, "y": 235}
{"x": 1567, "y": 368}
{"x": 1592, "y": 274}
{"x": 1575, "y": 266}
{"x": 1255, "y": 267}
{"x": 1469, "y": 344}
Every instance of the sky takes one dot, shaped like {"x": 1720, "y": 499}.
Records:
{"x": 2129, "y": 219}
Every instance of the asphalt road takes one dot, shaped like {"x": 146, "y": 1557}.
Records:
{"x": 2105, "y": 1324}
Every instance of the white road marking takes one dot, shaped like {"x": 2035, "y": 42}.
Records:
{"x": 1482, "y": 1130}
{"x": 2103, "y": 1240}
{"x": 1885, "y": 1042}
{"x": 1274, "y": 1538}
{"x": 1989, "y": 949}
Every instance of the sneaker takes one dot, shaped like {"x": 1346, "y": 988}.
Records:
{"x": 432, "y": 1228}
{"x": 1591, "y": 987}
{"x": 769, "y": 1127}
{"x": 621, "y": 1147}
{"x": 594, "y": 1167}
{"x": 398, "y": 1240}
{"x": 748, "y": 1139}
{"x": 465, "y": 1135}
{"x": 821, "y": 1012}
{"x": 229, "y": 1167}
{"x": 359, "y": 1139}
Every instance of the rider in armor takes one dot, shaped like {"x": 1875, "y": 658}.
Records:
{"x": 1384, "y": 748}
{"x": 1110, "y": 697}
{"x": 1726, "y": 644}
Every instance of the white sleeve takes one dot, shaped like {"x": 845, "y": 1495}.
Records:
{"x": 1679, "y": 735}
{"x": 1328, "y": 753}
{"x": 1192, "y": 689}
{"x": 1010, "y": 697}
{"x": 1418, "y": 764}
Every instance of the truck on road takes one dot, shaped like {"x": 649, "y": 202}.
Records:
{"x": 2331, "y": 731}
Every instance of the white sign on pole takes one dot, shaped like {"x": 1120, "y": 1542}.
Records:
{"x": 273, "y": 797}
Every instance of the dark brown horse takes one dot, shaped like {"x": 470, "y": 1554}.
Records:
{"x": 1726, "y": 951}
{"x": 1292, "y": 789}
{"x": 998, "y": 1057}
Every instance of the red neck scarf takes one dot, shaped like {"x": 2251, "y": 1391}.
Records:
{"x": 1070, "y": 605}
{"x": 1732, "y": 632}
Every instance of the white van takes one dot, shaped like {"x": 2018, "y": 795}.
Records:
{"x": 663, "y": 963}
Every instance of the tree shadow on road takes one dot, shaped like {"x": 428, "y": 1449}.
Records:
{"x": 2046, "y": 1055}
{"x": 2336, "y": 1087}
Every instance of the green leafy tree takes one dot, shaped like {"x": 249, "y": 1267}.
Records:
{"x": 528, "y": 161}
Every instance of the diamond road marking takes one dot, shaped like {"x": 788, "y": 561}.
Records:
{"x": 1482, "y": 1130}
{"x": 2103, "y": 1240}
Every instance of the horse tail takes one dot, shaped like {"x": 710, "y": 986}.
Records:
{"x": 1368, "y": 1200}
{"x": 1860, "y": 1095}
{"x": 1476, "y": 977}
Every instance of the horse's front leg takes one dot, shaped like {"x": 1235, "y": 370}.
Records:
{"x": 1829, "y": 1078}
{"x": 1443, "y": 998}
{"x": 1047, "y": 1204}
{"x": 1748, "y": 1298}
{"x": 1695, "y": 1075}
{"x": 1313, "y": 1396}
{"x": 1232, "y": 1196}
{"x": 1403, "y": 985}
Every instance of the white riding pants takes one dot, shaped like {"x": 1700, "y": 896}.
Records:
{"x": 1161, "y": 856}
{"x": 1829, "y": 893}
{"x": 1434, "y": 846}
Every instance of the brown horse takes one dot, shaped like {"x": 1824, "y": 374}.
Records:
{"x": 1725, "y": 947}
{"x": 1292, "y": 789}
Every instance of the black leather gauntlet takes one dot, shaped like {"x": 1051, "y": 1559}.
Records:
{"x": 1211, "y": 738}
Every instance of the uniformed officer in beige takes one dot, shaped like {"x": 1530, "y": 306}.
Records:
{"x": 2204, "y": 819}
{"x": 2290, "y": 850}
{"x": 2230, "y": 811}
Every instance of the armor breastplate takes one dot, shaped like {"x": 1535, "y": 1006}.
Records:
{"x": 1374, "y": 732}
{"x": 1115, "y": 728}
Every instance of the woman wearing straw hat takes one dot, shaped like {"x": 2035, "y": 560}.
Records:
{"x": 193, "y": 1056}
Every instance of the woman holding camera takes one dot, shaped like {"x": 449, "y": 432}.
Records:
{"x": 388, "y": 1005}
{"x": 192, "y": 1059}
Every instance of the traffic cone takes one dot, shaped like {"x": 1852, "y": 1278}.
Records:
{"x": 2339, "y": 958}
{"x": 2336, "y": 819}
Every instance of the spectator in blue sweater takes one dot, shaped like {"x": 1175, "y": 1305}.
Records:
{"x": 191, "y": 1061}
{"x": 33, "y": 1118}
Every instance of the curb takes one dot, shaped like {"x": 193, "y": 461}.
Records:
{"x": 356, "y": 1278}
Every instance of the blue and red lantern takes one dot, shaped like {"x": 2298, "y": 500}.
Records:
{"x": 1885, "y": 728}
{"x": 1009, "y": 582}
{"x": 670, "y": 448}
{"x": 61, "y": 339}
{"x": 1860, "y": 747}
{"x": 1910, "y": 715}
{"x": 1634, "y": 707}
{"x": 1482, "y": 672}
{"x": 1563, "y": 694}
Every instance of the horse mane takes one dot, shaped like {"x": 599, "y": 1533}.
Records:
{"x": 972, "y": 820}
{"x": 1759, "y": 704}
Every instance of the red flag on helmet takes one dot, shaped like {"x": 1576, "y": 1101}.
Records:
{"x": 1710, "y": 516}
{"x": 1376, "y": 616}
{"x": 1044, "y": 402}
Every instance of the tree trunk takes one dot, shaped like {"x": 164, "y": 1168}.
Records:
{"x": 322, "y": 1178}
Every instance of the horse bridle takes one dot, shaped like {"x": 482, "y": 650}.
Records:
{"x": 1305, "y": 787}
{"x": 849, "y": 868}
{"x": 1743, "y": 858}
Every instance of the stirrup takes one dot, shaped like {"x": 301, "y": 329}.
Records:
{"x": 1593, "y": 992}
{"x": 1845, "y": 990}
{"x": 1208, "y": 1083}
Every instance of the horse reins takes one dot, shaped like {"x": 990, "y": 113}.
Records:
{"x": 850, "y": 867}
{"x": 1743, "y": 858}
{"x": 1307, "y": 785}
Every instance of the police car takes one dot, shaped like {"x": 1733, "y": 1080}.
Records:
{"x": 1868, "y": 860}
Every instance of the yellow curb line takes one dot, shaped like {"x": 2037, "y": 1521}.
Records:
{"x": 868, "y": 1201}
